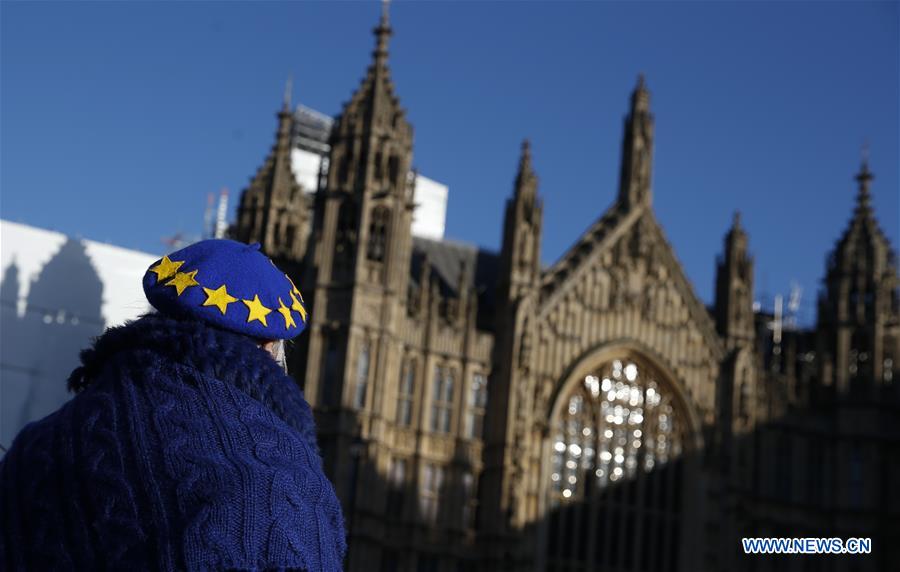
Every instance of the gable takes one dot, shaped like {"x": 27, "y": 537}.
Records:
{"x": 622, "y": 284}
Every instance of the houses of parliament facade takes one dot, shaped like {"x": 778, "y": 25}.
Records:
{"x": 478, "y": 411}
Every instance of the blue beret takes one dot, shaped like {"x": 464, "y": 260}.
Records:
{"x": 229, "y": 284}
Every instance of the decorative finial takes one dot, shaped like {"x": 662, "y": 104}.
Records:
{"x": 288, "y": 89}
{"x": 864, "y": 177}
{"x": 736, "y": 220}
{"x": 383, "y": 31}
{"x": 526, "y": 181}
{"x": 640, "y": 97}
{"x": 525, "y": 159}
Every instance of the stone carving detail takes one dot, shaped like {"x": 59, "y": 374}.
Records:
{"x": 634, "y": 282}
{"x": 525, "y": 347}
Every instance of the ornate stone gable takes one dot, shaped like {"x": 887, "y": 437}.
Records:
{"x": 622, "y": 283}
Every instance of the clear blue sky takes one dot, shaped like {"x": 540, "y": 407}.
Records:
{"x": 119, "y": 118}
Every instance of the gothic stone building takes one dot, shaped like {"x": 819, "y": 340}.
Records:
{"x": 478, "y": 411}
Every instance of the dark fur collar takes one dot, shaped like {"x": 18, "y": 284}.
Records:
{"x": 229, "y": 357}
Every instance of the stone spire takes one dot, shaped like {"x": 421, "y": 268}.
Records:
{"x": 734, "y": 287}
{"x": 864, "y": 180}
{"x": 382, "y": 34}
{"x": 736, "y": 239}
{"x": 526, "y": 180}
{"x": 273, "y": 209}
{"x": 369, "y": 178}
{"x": 520, "y": 253}
{"x": 863, "y": 235}
{"x": 637, "y": 150}
{"x": 372, "y": 127}
{"x": 860, "y": 299}
{"x": 288, "y": 94}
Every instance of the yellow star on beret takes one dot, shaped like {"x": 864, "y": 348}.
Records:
{"x": 183, "y": 280}
{"x": 166, "y": 268}
{"x": 286, "y": 312}
{"x": 258, "y": 312}
{"x": 219, "y": 298}
{"x": 298, "y": 307}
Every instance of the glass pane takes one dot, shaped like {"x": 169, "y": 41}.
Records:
{"x": 438, "y": 383}
{"x": 448, "y": 387}
{"x": 362, "y": 377}
{"x": 617, "y": 422}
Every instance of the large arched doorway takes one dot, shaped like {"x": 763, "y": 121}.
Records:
{"x": 618, "y": 436}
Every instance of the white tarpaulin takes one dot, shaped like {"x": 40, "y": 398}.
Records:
{"x": 56, "y": 294}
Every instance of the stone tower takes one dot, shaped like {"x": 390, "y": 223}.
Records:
{"x": 518, "y": 286}
{"x": 358, "y": 275}
{"x": 274, "y": 211}
{"x": 737, "y": 388}
{"x": 858, "y": 310}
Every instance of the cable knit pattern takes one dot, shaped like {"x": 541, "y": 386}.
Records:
{"x": 187, "y": 448}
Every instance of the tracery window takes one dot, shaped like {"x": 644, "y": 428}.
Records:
{"x": 442, "y": 399}
{"x": 405, "y": 393}
{"x": 888, "y": 361}
{"x": 614, "y": 424}
{"x": 362, "y": 377}
{"x": 432, "y": 481}
{"x": 378, "y": 229}
{"x": 331, "y": 382}
{"x": 396, "y": 486}
{"x": 469, "y": 500}
{"x": 615, "y": 475}
{"x": 474, "y": 427}
{"x": 345, "y": 239}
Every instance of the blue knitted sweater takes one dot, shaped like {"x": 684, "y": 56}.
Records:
{"x": 186, "y": 447}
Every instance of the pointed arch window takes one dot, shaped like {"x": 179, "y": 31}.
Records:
{"x": 429, "y": 494}
{"x": 405, "y": 393}
{"x": 393, "y": 169}
{"x": 346, "y": 227}
{"x": 343, "y": 170}
{"x": 378, "y": 231}
{"x": 616, "y": 453}
{"x": 616, "y": 423}
{"x": 469, "y": 500}
{"x": 362, "y": 377}
{"x": 442, "y": 399}
{"x": 396, "y": 487}
{"x": 379, "y": 166}
{"x": 330, "y": 380}
{"x": 474, "y": 428}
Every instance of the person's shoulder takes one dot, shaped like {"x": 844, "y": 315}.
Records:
{"x": 37, "y": 437}
{"x": 264, "y": 502}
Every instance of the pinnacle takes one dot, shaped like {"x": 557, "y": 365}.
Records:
{"x": 288, "y": 89}
{"x": 864, "y": 178}
{"x": 640, "y": 97}
{"x": 382, "y": 33}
